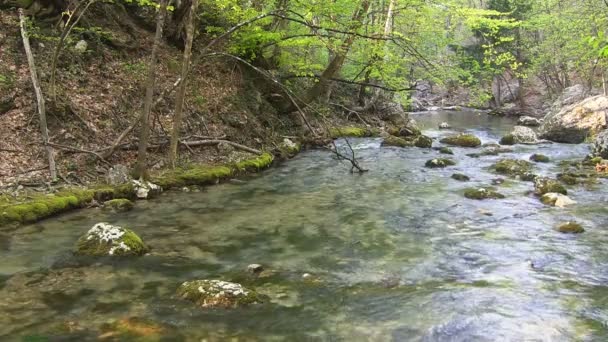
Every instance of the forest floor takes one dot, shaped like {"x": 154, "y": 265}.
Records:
{"x": 100, "y": 93}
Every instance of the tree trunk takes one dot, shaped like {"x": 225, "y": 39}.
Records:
{"x": 142, "y": 167}
{"x": 336, "y": 63}
{"x": 39, "y": 97}
{"x": 181, "y": 92}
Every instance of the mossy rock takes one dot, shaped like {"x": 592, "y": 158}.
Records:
{"x": 118, "y": 205}
{"x": 256, "y": 164}
{"x": 482, "y": 193}
{"x": 491, "y": 151}
{"x": 567, "y": 178}
{"x": 461, "y": 177}
{"x": 540, "y": 158}
{"x": 288, "y": 148}
{"x": 570, "y": 228}
{"x": 423, "y": 141}
{"x": 557, "y": 200}
{"x": 392, "y": 140}
{"x": 105, "y": 239}
{"x": 135, "y": 329}
{"x": 543, "y": 185}
{"x": 462, "y": 140}
{"x": 446, "y": 150}
{"x": 508, "y": 139}
{"x": 218, "y": 294}
{"x": 343, "y": 132}
{"x": 439, "y": 163}
{"x": 513, "y": 167}
{"x": 33, "y": 209}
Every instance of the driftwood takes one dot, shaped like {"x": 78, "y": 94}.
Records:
{"x": 39, "y": 97}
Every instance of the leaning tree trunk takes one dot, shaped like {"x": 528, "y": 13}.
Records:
{"x": 181, "y": 92}
{"x": 39, "y": 97}
{"x": 142, "y": 167}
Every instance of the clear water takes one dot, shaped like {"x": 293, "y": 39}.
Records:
{"x": 397, "y": 253}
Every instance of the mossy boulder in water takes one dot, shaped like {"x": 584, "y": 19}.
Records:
{"x": 355, "y": 132}
{"x": 288, "y": 148}
{"x": 118, "y": 205}
{"x": 462, "y": 140}
{"x": 218, "y": 294}
{"x": 145, "y": 189}
{"x": 461, "y": 177}
{"x": 513, "y": 167}
{"x": 544, "y": 185}
{"x": 410, "y": 129}
{"x": 105, "y": 239}
{"x": 557, "y": 200}
{"x": 439, "y": 163}
{"x": 445, "y": 150}
{"x": 482, "y": 193}
{"x": 508, "y": 139}
{"x": 540, "y": 158}
{"x": 570, "y": 228}
{"x": 423, "y": 142}
{"x": 392, "y": 140}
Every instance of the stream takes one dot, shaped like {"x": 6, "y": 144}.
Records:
{"x": 397, "y": 254}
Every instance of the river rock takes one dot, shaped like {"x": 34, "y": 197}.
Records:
{"x": 461, "y": 177}
{"x": 118, "y": 175}
{"x": 575, "y": 123}
{"x": 410, "y": 129}
{"x": 255, "y": 268}
{"x": 462, "y": 140}
{"x": 444, "y": 125}
{"x": 439, "y": 163}
{"x": 600, "y": 147}
{"x": 557, "y": 200}
{"x": 520, "y": 135}
{"x": 218, "y": 294}
{"x": 423, "y": 142}
{"x": 528, "y": 121}
{"x": 513, "y": 167}
{"x": 570, "y": 228}
{"x": 539, "y": 158}
{"x": 445, "y": 150}
{"x": 105, "y": 239}
{"x": 544, "y": 185}
{"x": 482, "y": 193}
{"x": 145, "y": 189}
{"x": 118, "y": 205}
{"x": 392, "y": 140}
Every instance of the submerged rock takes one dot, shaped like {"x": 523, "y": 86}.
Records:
{"x": 218, "y": 294}
{"x": 105, "y": 239}
{"x": 439, "y": 163}
{"x": 118, "y": 205}
{"x": 539, "y": 158}
{"x": 570, "y": 228}
{"x": 482, "y": 193}
{"x": 528, "y": 121}
{"x": 557, "y": 200}
{"x": 462, "y": 140}
{"x": 392, "y": 140}
{"x": 461, "y": 177}
{"x": 514, "y": 168}
{"x": 544, "y": 185}
{"x": 145, "y": 189}
{"x": 575, "y": 123}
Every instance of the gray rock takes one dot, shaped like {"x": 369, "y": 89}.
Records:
{"x": 255, "y": 268}
{"x": 575, "y": 123}
{"x": 105, "y": 239}
{"x": 528, "y": 121}
{"x": 524, "y": 135}
{"x": 218, "y": 294}
{"x": 444, "y": 125}
{"x": 146, "y": 190}
{"x": 81, "y": 46}
{"x": 118, "y": 175}
{"x": 600, "y": 147}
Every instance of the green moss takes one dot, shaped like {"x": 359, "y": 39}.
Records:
{"x": 134, "y": 242}
{"x": 119, "y": 205}
{"x": 445, "y": 150}
{"x": 570, "y": 228}
{"x": 423, "y": 142}
{"x": 462, "y": 140}
{"x": 544, "y": 185}
{"x": 540, "y": 158}
{"x": 512, "y": 167}
{"x": 217, "y": 294}
{"x": 341, "y": 132}
{"x": 508, "y": 139}
{"x": 568, "y": 179}
{"x": 482, "y": 193}
{"x": 97, "y": 247}
{"x": 36, "y": 208}
{"x": 392, "y": 140}
{"x": 439, "y": 163}
{"x": 256, "y": 164}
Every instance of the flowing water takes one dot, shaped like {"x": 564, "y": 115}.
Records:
{"x": 395, "y": 254}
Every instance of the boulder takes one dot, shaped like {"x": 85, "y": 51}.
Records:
{"x": 445, "y": 150}
{"x": 217, "y": 294}
{"x": 461, "y": 177}
{"x": 392, "y": 140}
{"x": 570, "y": 228}
{"x": 462, "y": 140}
{"x": 105, "y": 239}
{"x": 528, "y": 121}
{"x": 444, "y": 125}
{"x": 539, "y": 158}
{"x": 423, "y": 142}
{"x": 118, "y": 175}
{"x": 482, "y": 193}
{"x": 410, "y": 129}
{"x": 439, "y": 163}
{"x": 118, "y": 205}
{"x": 288, "y": 148}
{"x": 520, "y": 135}
{"x": 575, "y": 123}
{"x": 145, "y": 189}
{"x": 513, "y": 167}
{"x": 81, "y": 46}
{"x": 557, "y": 200}
{"x": 568, "y": 97}
{"x": 600, "y": 147}
{"x": 544, "y": 185}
